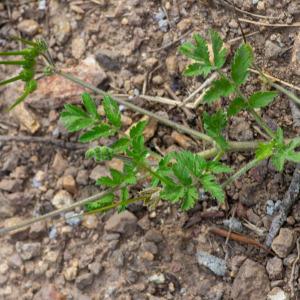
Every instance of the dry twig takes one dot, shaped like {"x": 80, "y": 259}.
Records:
{"x": 291, "y": 281}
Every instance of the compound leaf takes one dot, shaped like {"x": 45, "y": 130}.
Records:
{"x": 112, "y": 111}
{"x": 262, "y": 99}
{"x": 236, "y": 106}
{"x": 95, "y": 133}
{"x": 218, "y": 50}
{"x": 89, "y": 105}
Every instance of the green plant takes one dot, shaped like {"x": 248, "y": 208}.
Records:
{"x": 179, "y": 177}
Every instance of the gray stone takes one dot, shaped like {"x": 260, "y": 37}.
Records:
{"x": 37, "y": 230}
{"x": 84, "y": 280}
{"x": 277, "y": 294}
{"x": 215, "y": 264}
{"x": 82, "y": 177}
{"x": 28, "y": 251}
{"x": 98, "y": 172}
{"x": 272, "y": 50}
{"x": 10, "y": 185}
{"x": 124, "y": 222}
{"x": 275, "y": 268}
{"x": 78, "y": 47}
{"x": 284, "y": 243}
{"x": 62, "y": 29}
{"x": 153, "y": 235}
{"x": 59, "y": 164}
{"x": 62, "y": 199}
{"x": 251, "y": 282}
{"x": 28, "y": 27}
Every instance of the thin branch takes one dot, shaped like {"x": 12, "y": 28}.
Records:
{"x": 278, "y": 25}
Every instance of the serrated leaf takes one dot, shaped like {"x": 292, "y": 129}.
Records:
{"x": 214, "y": 125}
{"x": 75, "y": 110}
{"x": 112, "y": 111}
{"x": 100, "y": 153}
{"x": 124, "y": 196}
{"x": 95, "y": 133}
{"x": 138, "y": 129}
{"x": 294, "y": 157}
{"x": 188, "y": 50}
{"x": 181, "y": 172}
{"x": 120, "y": 145}
{"x": 218, "y": 50}
{"x": 241, "y": 62}
{"x": 201, "y": 50}
{"x": 75, "y": 123}
{"x": 217, "y": 168}
{"x": 197, "y": 69}
{"x": 264, "y": 151}
{"x": 106, "y": 181}
{"x": 190, "y": 198}
{"x": 262, "y": 99}
{"x": 89, "y": 105}
{"x": 172, "y": 193}
{"x": 219, "y": 88}
{"x": 210, "y": 185}
{"x": 236, "y": 106}
{"x": 278, "y": 160}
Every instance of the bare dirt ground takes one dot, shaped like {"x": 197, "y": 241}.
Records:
{"x": 130, "y": 47}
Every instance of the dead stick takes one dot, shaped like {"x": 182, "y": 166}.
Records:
{"x": 289, "y": 200}
{"x": 238, "y": 238}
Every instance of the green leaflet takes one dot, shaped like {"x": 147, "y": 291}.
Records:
{"x": 262, "y": 99}
{"x": 236, "y": 106}
{"x": 241, "y": 62}
{"x": 112, "y": 111}
{"x": 219, "y": 88}
{"x": 219, "y": 51}
{"x": 102, "y": 130}
{"x": 89, "y": 105}
{"x": 100, "y": 153}
{"x": 210, "y": 185}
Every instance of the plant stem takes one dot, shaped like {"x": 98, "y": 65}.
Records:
{"x": 253, "y": 163}
{"x": 291, "y": 95}
{"x": 10, "y": 80}
{"x": 134, "y": 107}
{"x": 13, "y": 53}
{"x": 13, "y": 62}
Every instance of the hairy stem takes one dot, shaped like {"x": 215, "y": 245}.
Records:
{"x": 13, "y": 62}
{"x": 10, "y": 80}
{"x": 253, "y": 163}
{"x": 13, "y": 53}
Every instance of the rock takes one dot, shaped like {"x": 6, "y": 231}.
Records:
{"x": 59, "y": 164}
{"x": 28, "y": 27}
{"x": 295, "y": 62}
{"x": 72, "y": 218}
{"x": 118, "y": 258}
{"x": 124, "y": 222}
{"x": 284, "y": 243}
{"x": 19, "y": 172}
{"x": 11, "y": 161}
{"x": 251, "y": 282}
{"x": 62, "y": 29}
{"x": 151, "y": 62}
{"x": 158, "y": 80}
{"x": 62, "y": 199}
{"x": 70, "y": 273}
{"x": 149, "y": 247}
{"x": 171, "y": 64}
{"x": 153, "y": 235}
{"x": 82, "y": 177}
{"x": 182, "y": 140}
{"x": 109, "y": 59}
{"x": 98, "y": 172}
{"x": 95, "y": 268}
{"x": 184, "y": 25}
{"x": 69, "y": 184}
{"x": 84, "y": 280}
{"x": 275, "y": 268}
{"x": 37, "y": 230}
{"x": 144, "y": 223}
{"x": 277, "y": 294}
{"x": 272, "y": 50}
{"x": 233, "y": 224}
{"x": 7, "y": 210}
{"x": 116, "y": 164}
{"x": 157, "y": 278}
{"x": 78, "y": 47}
{"x": 90, "y": 221}
{"x": 19, "y": 234}
{"x": 215, "y": 264}
{"x": 240, "y": 130}
{"x": 25, "y": 117}
{"x": 61, "y": 90}
{"x": 28, "y": 251}
{"x": 10, "y": 185}
{"x": 48, "y": 292}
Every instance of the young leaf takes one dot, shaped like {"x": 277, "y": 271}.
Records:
{"x": 262, "y": 99}
{"x": 100, "y": 153}
{"x": 120, "y": 145}
{"x": 75, "y": 123}
{"x": 210, "y": 185}
{"x": 189, "y": 199}
{"x": 197, "y": 69}
{"x": 181, "y": 172}
{"x": 112, "y": 111}
{"x": 101, "y": 203}
{"x": 213, "y": 125}
{"x": 241, "y": 62}
{"x": 74, "y": 110}
{"x": 89, "y": 105}
{"x": 219, "y": 51}
{"x": 201, "y": 50}
{"x": 95, "y": 133}
{"x": 236, "y": 106}
{"x": 216, "y": 167}
{"x": 124, "y": 196}
{"x": 264, "y": 151}
{"x": 219, "y": 88}
{"x": 172, "y": 193}
{"x": 138, "y": 129}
